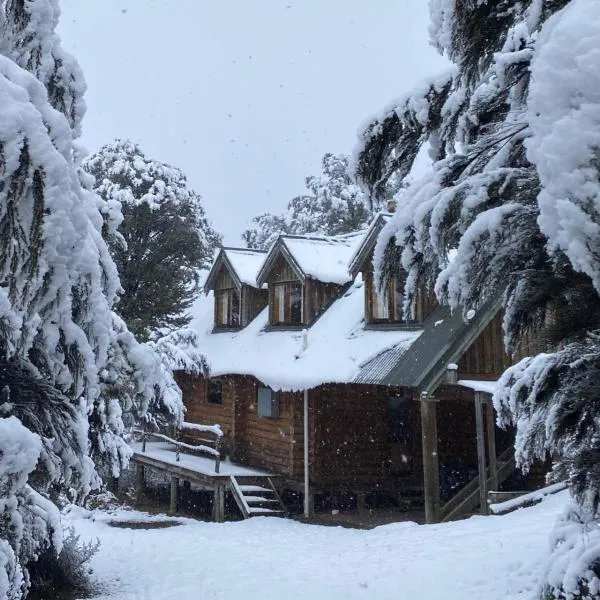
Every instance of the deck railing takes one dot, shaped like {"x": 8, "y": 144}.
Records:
{"x": 211, "y": 438}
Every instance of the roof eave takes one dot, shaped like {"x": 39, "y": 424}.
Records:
{"x": 278, "y": 247}
{"x": 219, "y": 262}
{"x": 365, "y": 248}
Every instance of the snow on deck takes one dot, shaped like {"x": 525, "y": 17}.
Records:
{"x": 338, "y": 345}
{"x": 324, "y": 258}
{"x": 246, "y": 263}
{"x": 481, "y": 558}
{"x": 164, "y": 452}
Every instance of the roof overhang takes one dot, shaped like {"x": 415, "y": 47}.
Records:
{"x": 220, "y": 262}
{"x": 363, "y": 252}
{"x": 279, "y": 249}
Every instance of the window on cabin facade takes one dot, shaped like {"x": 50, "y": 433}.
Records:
{"x": 286, "y": 303}
{"x": 227, "y": 308}
{"x": 268, "y": 402}
{"x": 214, "y": 393}
{"x": 387, "y": 306}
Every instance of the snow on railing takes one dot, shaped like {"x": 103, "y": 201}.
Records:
{"x": 214, "y": 429}
{"x": 527, "y": 499}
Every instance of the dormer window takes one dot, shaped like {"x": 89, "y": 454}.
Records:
{"x": 227, "y": 308}
{"x": 232, "y": 278}
{"x": 387, "y": 306}
{"x": 286, "y": 306}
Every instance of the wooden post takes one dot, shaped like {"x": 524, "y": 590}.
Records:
{"x": 140, "y": 480}
{"x": 361, "y": 498}
{"x": 113, "y": 485}
{"x": 186, "y": 493}
{"x": 174, "y": 490}
{"x": 491, "y": 440}
{"x": 431, "y": 472}
{"x": 219, "y": 504}
{"x": 307, "y": 495}
{"x": 481, "y": 462}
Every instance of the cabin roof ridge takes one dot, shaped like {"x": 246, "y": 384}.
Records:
{"x": 240, "y": 249}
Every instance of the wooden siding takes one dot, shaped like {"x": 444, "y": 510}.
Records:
{"x": 263, "y": 442}
{"x": 351, "y": 447}
{"x": 485, "y": 358}
{"x": 198, "y": 410}
{"x": 223, "y": 279}
{"x": 253, "y": 301}
{"x": 281, "y": 271}
{"x": 350, "y": 437}
{"x": 317, "y": 297}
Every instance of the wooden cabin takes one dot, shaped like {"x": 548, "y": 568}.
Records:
{"x": 393, "y": 406}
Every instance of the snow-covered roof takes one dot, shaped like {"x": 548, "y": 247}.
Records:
{"x": 324, "y": 258}
{"x": 338, "y": 345}
{"x": 242, "y": 263}
{"x": 246, "y": 263}
{"x": 368, "y": 241}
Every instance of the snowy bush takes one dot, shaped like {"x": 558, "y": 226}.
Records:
{"x": 573, "y": 571}
{"x": 67, "y": 571}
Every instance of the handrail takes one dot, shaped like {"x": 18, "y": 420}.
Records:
{"x": 215, "y": 452}
{"x": 467, "y": 497}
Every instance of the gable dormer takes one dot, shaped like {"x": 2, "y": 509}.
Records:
{"x": 304, "y": 275}
{"x": 386, "y": 307}
{"x": 238, "y": 297}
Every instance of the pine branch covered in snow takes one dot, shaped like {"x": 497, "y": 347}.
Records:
{"x": 68, "y": 365}
{"x": 510, "y": 208}
{"x": 180, "y": 351}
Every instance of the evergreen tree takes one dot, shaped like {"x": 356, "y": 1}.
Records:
{"x": 68, "y": 366}
{"x": 335, "y": 205}
{"x": 514, "y": 131}
{"x": 161, "y": 240}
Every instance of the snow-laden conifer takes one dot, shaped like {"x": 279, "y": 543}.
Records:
{"x": 158, "y": 235}
{"x": 335, "y": 205}
{"x": 68, "y": 365}
{"x": 510, "y": 208}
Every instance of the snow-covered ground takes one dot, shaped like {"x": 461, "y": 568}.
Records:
{"x": 482, "y": 558}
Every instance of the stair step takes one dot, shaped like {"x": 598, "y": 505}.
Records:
{"x": 256, "y": 510}
{"x": 254, "y": 488}
{"x": 255, "y": 499}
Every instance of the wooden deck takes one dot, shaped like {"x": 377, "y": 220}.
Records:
{"x": 199, "y": 470}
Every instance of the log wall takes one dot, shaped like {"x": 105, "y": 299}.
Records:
{"x": 485, "y": 358}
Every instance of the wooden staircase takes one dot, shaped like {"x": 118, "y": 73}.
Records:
{"x": 468, "y": 498}
{"x": 256, "y": 497}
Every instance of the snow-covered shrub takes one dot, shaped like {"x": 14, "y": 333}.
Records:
{"x": 68, "y": 570}
{"x": 573, "y": 570}
{"x": 29, "y": 523}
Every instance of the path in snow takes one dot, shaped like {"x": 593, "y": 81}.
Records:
{"x": 482, "y": 558}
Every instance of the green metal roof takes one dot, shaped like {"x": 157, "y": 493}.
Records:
{"x": 422, "y": 364}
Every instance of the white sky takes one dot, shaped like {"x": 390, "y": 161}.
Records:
{"x": 245, "y": 96}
